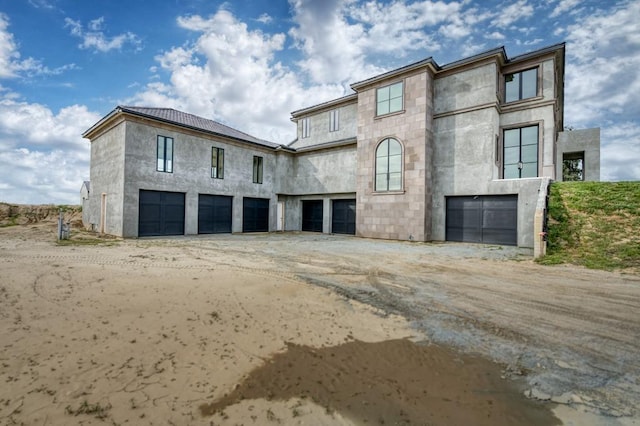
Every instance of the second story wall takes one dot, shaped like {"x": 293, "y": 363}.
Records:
{"x": 329, "y": 124}
{"x": 467, "y": 89}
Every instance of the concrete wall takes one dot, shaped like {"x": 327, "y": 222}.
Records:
{"x": 466, "y": 89}
{"x": 467, "y": 132}
{"x": 586, "y": 141}
{"x": 192, "y": 173}
{"x": 107, "y": 181}
{"x": 319, "y": 122}
{"x": 406, "y": 214}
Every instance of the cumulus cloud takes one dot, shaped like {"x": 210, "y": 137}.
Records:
{"x": 94, "y": 38}
{"x": 513, "y": 13}
{"x": 44, "y": 152}
{"x": 230, "y": 74}
{"x": 564, "y": 6}
{"x": 265, "y": 18}
{"x": 602, "y": 83}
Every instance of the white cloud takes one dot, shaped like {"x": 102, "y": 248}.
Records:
{"x": 619, "y": 155}
{"x": 93, "y": 38}
{"x": 513, "y": 13}
{"x": 11, "y": 64}
{"x": 495, "y": 36}
{"x": 602, "y": 83}
{"x": 564, "y": 6}
{"x": 42, "y": 154}
{"x": 603, "y": 60}
{"x": 265, "y": 18}
{"x": 230, "y": 74}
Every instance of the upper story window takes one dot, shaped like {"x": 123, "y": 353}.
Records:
{"x": 389, "y": 99}
{"x": 257, "y": 169}
{"x": 521, "y": 85}
{"x": 334, "y": 120}
{"x": 389, "y": 166}
{"x": 520, "y": 152}
{"x": 164, "y": 157}
{"x": 217, "y": 163}
{"x": 306, "y": 128}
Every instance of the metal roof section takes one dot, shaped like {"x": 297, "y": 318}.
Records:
{"x": 183, "y": 119}
{"x": 334, "y": 102}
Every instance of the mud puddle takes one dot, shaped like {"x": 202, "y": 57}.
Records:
{"x": 392, "y": 382}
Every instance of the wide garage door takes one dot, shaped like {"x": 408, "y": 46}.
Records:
{"x": 214, "y": 214}
{"x": 255, "y": 214}
{"x": 160, "y": 213}
{"x": 490, "y": 219}
{"x": 343, "y": 217}
{"x": 312, "y": 215}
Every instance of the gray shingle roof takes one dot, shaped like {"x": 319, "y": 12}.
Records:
{"x": 191, "y": 121}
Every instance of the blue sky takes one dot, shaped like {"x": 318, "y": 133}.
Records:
{"x": 66, "y": 63}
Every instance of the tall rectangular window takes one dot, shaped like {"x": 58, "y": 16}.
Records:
{"x": 257, "y": 169}
{"x": 521, "y": 85}
{"x": 306, "y": 128}
{"x": 334, "y": 120}
{"x": 217, "y": 163}
{"x": 164, "y": 154}
{"x": 520, "y": 152}
{"x": 389, "y": 99}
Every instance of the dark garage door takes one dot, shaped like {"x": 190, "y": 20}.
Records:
{"x": 483, "y": 219}
{"x": 160, "y": 213}
{"x": 255, "y": 215}
{"x": 343, "y": 218}
{"x": 214, "y": 214}
{"x": 312, "y": 215}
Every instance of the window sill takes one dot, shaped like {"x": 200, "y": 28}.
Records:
{"x": 522, "y": 101}
{"x": 391, "y": 114}
{"x": 400, "y": 192}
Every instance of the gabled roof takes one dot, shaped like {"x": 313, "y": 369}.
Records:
{"x": 182, "y": 119}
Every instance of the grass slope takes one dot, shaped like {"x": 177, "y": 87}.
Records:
{"x": 595, "y": 224}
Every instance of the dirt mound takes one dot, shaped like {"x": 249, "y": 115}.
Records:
{"x": 24, "y": 214}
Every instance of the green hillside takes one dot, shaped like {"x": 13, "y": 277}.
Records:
{"x": 595, "y": 224}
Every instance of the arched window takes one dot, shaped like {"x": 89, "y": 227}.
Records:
{"x": 389, "y": 165}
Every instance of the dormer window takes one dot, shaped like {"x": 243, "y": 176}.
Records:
{"x": 521, "y": 85}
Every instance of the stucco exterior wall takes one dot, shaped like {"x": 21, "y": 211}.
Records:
{"x": 466, "y": 89}
{"x": 319, "y": 126}
{"x": 586, "y": 141}
{"x": 107, "y": 181}
{"x": 192, "y": 173}
{"x": 406, "y": 214}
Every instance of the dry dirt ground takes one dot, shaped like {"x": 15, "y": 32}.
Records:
{"x": 309, "y": 329}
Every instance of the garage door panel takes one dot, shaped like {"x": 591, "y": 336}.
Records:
{"x": 255, "y": 214}
{"x": 215, "y": 214}
{"x": 482, "y": 219}
{"x": 343, "y": 220}
{"x": 160, "y": 213}
{"x": 312, "y": 213}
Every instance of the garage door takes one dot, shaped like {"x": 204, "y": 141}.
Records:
{"x": 483, "y": 219}
{"x": 343, "y": 217}
{"x": 160, "y": 213}
{"x": 214, "y": 214}
{"x": 312, "y": 215}
{"x": 255, "y": 214}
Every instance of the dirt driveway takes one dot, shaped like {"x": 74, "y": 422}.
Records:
{"x": 153, "y": 331}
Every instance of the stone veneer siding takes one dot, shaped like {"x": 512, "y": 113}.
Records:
{"x": 405, "y": 214}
